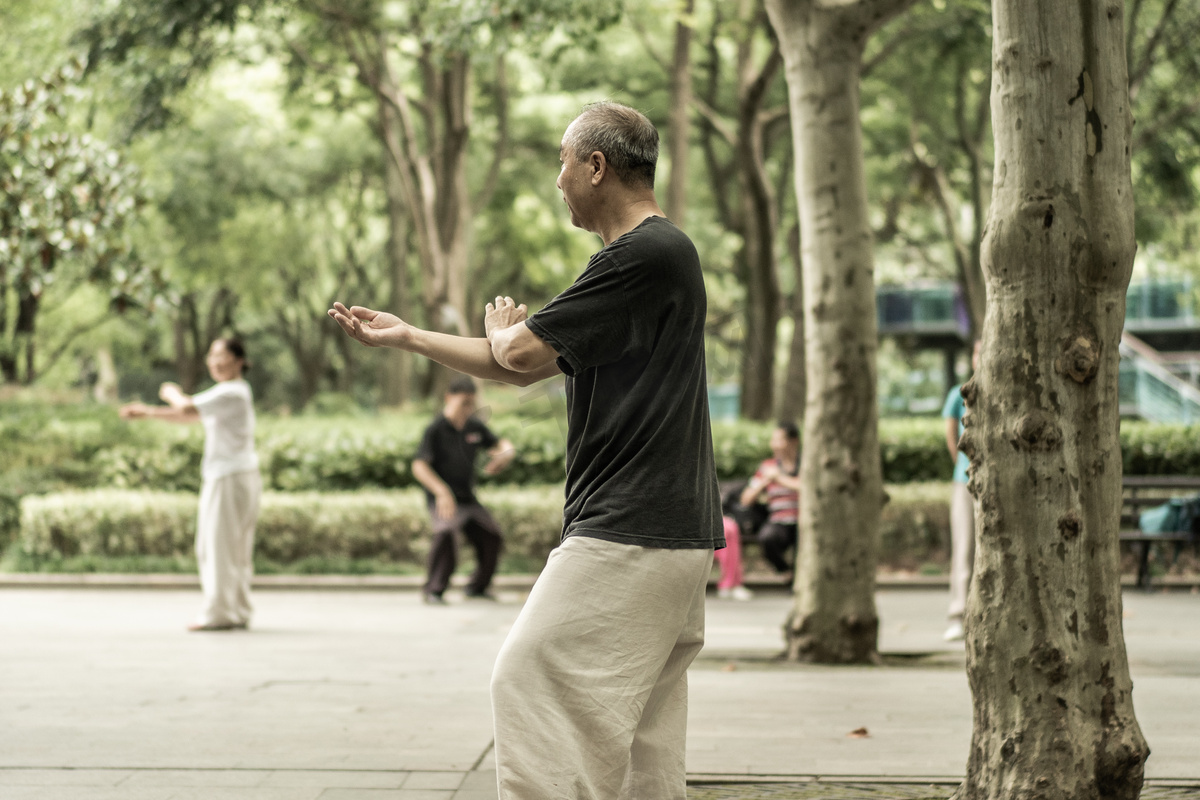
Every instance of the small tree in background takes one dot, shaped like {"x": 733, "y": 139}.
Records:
{"x": 67, "y": 203}
{"x": 841, "y": 487}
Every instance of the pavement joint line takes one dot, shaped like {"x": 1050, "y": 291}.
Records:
{"x": 482, "y": 756}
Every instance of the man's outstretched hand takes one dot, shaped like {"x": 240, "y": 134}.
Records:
{"x": 372, "y": 328}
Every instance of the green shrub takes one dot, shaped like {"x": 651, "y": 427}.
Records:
{"x": 389, "y": 527}
{"x": 367, "y": 531}
{"x": 49, "y": 447}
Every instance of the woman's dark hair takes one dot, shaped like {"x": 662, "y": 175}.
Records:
{"x": 788, "y": 428}
{"x": 236, "y": 349}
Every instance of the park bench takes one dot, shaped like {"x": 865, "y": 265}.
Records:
{"x": 1142, "y": 492}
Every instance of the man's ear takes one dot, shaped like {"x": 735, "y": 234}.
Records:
{"x": 599, "y": 165}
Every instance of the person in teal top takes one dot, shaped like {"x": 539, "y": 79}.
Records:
{"x": 962, "y": 510}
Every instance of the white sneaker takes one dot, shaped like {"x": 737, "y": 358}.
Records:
{"x": 741, "y": 593}
{"x": 955, "y": 632}
{"x": 725, "y": 594}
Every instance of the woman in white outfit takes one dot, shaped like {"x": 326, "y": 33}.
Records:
{"x": 231, "y": 485}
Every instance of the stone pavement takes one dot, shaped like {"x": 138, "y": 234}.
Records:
{"x": 370, "y": 694}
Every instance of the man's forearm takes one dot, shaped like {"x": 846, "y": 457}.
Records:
{"x": 467, "y": 355}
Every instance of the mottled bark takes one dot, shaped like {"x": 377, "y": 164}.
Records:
{"x": 834, "y": 618}
{"x": 1053, "y": 713}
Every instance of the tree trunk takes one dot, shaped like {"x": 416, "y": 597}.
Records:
{"x": 27, "y": 310}
{"x": 106, "y": 388}
{"x": 397, "y": 366}
{"x": 751, "y": 211}
{"x": 791, "y": 395}
{"x": 759, "y": 262}
{"x": 431, "y": 165}
{"x": 1053, "y": 713}
{"x": 678, "y": 127}
{"x": 834, "y": 618}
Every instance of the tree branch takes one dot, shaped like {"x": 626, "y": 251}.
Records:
{"x": 1148, "y": 56}
{"x": 500, "y": 151}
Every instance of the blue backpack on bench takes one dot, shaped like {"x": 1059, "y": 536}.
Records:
{"x": 1177, "y": 515}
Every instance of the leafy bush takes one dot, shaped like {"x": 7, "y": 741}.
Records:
{"x": 50, "y": 447}
{"x": 389, "y": 527}
{"x": 358, "y": 531}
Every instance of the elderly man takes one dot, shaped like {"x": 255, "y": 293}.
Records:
{"x": 589, "y": 691}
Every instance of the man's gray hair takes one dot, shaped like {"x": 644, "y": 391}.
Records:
{"x": 624, "y": 135}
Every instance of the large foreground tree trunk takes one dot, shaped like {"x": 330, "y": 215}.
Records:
{"x": 1045, "y": 649}
{"x": 834, "y": 618}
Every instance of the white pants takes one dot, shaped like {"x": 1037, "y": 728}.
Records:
{"x": 962, "y": 547}
{"x": 225, "y": 546}
{"x": 589, "y": 693}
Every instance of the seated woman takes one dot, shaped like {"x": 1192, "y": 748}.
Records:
{"x": 777, "y": 483}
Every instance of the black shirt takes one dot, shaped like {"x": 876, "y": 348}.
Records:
{"x": 630, "y": 337}
{"x": 451, "y": 454}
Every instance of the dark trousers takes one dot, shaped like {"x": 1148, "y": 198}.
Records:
{"x": 775, "y": 539}
{"x": 475, "y": 523}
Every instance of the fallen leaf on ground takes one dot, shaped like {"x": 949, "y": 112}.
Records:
{"x": 858, "y": 733}
{"x": 730, "y": 667}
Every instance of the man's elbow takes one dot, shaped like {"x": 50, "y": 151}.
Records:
{"x": 511, "y": 357}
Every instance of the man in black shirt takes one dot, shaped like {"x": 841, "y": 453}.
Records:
{"x": 445, "y": 467}
{"x": 589, "y": 692}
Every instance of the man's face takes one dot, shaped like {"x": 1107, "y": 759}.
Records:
{"x": 459, "y": 407}
{"x": 574, "y": 179}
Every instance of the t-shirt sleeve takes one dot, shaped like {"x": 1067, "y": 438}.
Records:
{"x": 218, "y": 401}
{"x": 425, "y": 448}
{"x": 489, "y": 439}
{"x": 954, "y": 404}
{"x": 605, "y": 314}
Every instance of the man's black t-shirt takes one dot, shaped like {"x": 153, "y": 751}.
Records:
{"x": 451, "y": 454}
{"x": 630, "y": 338}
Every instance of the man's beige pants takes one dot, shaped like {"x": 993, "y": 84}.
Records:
{"x": 589, "y": 692}
{"x": 225, "y": 546}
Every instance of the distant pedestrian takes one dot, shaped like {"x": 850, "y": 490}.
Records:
{"x": 962, "y": 509}
{"x": 777, "y": 484}
{"x": 445, "y": 467}
{"x": 230, "y": 483}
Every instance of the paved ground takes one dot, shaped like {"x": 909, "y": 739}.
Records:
{"x": 370, "y": 694}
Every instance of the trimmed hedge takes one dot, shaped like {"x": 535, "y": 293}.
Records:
{"x": 337, "y": 456}
{"x": 388, "y": 527}
{"x": 391, "y": 527}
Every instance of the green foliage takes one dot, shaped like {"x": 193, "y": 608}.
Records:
{"x": 68, "y": 203}
{"x": 360, "y": 532}
{"x": 1154, "y": 449}
{"x": 293, "y": 528}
